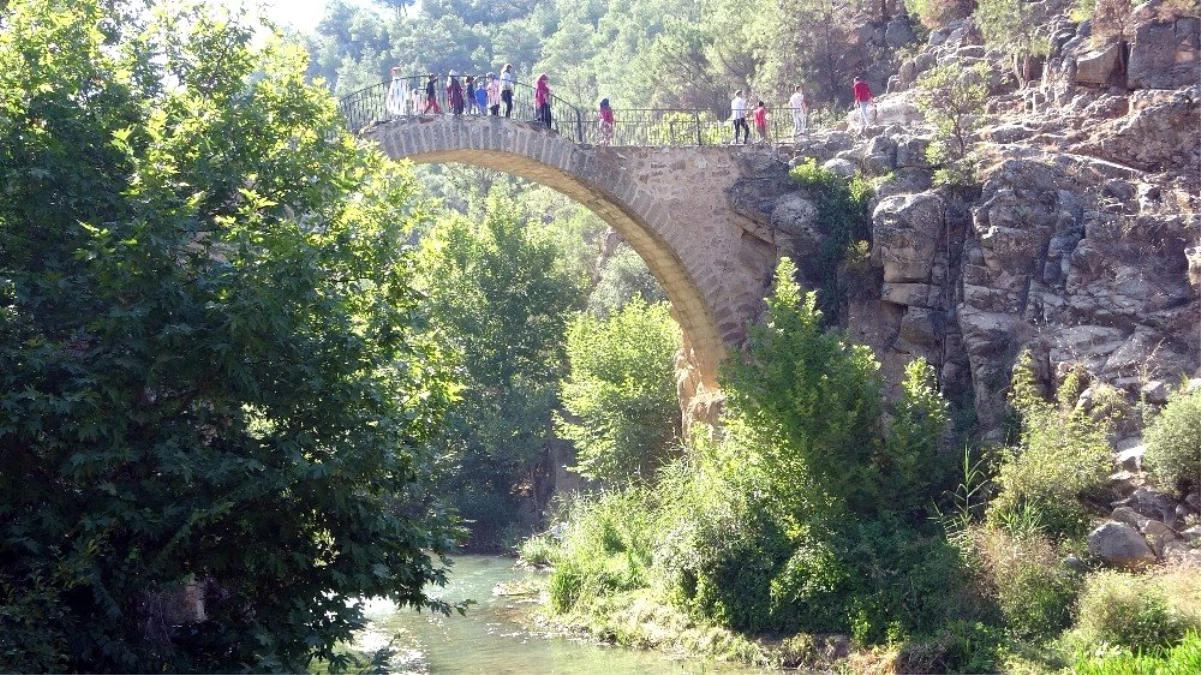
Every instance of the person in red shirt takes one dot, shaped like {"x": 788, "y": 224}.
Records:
{"x": 760, "y": 115}
{"x": 607, "y": 122}
{"x": 863, "y": 96}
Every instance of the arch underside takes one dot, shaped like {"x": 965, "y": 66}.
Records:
{"x": 704, "y": 346}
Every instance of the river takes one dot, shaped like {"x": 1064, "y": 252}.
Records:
{"x": 492, "y": 638}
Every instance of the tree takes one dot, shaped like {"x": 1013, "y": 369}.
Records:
{"x": 1019, "y": 27}
{"x": 953, "y": 100}
{"x": 501, "y": 303}
{"x": 620, "y": 398}
{"x": 210, "y": 377}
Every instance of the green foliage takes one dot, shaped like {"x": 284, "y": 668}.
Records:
{"x": 211, "y": 363}
{"x": 1022, "y": 573}
{"x": 1020, "y": 28}
{"x": 957, "y": 647}
{"x": 846, "y": 224}
{"x": 1063, "y": 456}
{"x": 1174, "y": 443}
{"x": 952, "y": 99}
{"x": 540, "y": 550}
{"x": 607, "y": 548}
{"x": 624, "y": 276}
{"x": 1182, "y": 658}
{"x": 620, "y": 398}
{"x": 501, "y": 302}
{"x": 1133, "y": 611}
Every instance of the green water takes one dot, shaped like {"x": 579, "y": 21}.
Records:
{"x": 492, "y": 639}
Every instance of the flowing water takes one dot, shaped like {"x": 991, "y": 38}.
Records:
{"x": 493, "y": 639}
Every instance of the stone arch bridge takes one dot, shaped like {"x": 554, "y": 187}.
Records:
{"x": 688, "y": 211}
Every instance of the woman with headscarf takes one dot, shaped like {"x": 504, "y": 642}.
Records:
{"x": 542, "y": 99}
{"x": 454, "y": 94}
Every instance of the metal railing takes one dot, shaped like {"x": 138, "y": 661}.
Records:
{"x": 408, "y": 96}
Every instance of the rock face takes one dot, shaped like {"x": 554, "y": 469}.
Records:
{"x": 1099, "y": 67}
{"x": 1164, "y": 54}
{"x": 1120, "y": 545}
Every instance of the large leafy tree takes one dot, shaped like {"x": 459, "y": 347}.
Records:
{"x": 621, "y": 394}
{"x": 501, "y": 298}
{"x": 210, "y": 379}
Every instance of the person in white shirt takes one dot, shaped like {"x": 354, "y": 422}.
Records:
{"x": 507, "y": 81}
{"x": 398, "y": 94}
{"x": 799, "y": 111}
{"x": 738, "y": 114}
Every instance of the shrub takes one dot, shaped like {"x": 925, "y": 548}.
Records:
{"x": 1174, "y": 443}
{"x": 540, "y": 549}
{"x": 606, "y": 548}
{"x": 1062, "y": 455}
{"x": 1135, "y": 611}
{"x": 1019, "y": 28}
{"x": 1023, "y": 574}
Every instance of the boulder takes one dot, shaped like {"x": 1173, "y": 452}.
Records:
{"x": 1155, "y": 392}
{"x": 906, "y": 294}
{"x": 1164, "y": 54}
{"x": 906, "y": 231}
{"x": 1120, "y": 545}
{"x": 840, "y": 166}
{"x": 1131, "y": 459}
{"x": 797, "y": 232}
{"x": 1127, "y": 515}
{"x": 1098, "y": 67}
{"x": 906, "y": 180}
{"x": 1157, "y": 534}
{"x": 911, "y": 152}
{"x": 1191, "y": 534}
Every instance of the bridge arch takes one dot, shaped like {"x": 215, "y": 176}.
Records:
{"x": 668, "y": 203}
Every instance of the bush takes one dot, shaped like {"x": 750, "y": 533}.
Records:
{"x": 1174, "y": 443}
{"x": 606, "y": 548}
{"x": 540, "y": 549}
{"x": 1138, "y": 612}
{"x": 1023, "y": 574}
{"x": 846, "y": 224}
{"x": 1063, "y": 455}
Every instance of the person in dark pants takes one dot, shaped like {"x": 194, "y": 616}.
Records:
{"x": 507, "y": 81}
{"x": 542, "y": 100}
{"x": 738, "y": 115}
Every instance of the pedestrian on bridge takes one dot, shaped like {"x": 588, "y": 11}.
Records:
{"x": 454, "y": 94}
{"x": 606, "y": 122}
{"x": 542, "y": 99}
{"x": 738, "y": 114}
{"x": 760, "y": 115}
{"x": 507, "y": 81}
{"x": 799, "y": 112}
{"x": 471, "y": 101}
{"x": 431, "y": 96}
{"x": 398, "y": 94}
{"x": 493, "y": 95}
{"x": 481, "y": 96}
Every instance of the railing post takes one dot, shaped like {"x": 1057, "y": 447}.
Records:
{"x": 579, "y": 126}
{"x": 696, "y": 117}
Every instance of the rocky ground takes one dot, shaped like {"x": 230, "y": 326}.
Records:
{"x": 1081, "y": 241}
